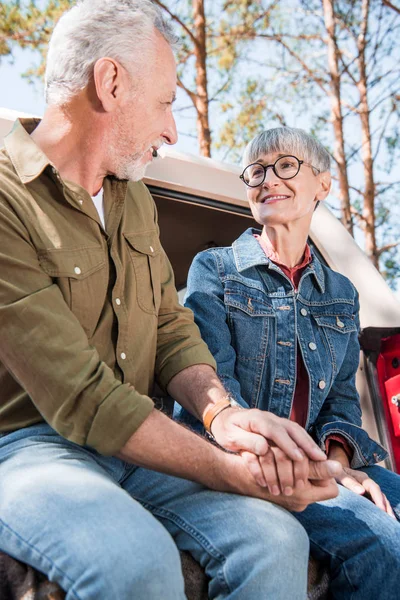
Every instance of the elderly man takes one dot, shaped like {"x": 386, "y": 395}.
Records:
{"x": 95, "y": 488}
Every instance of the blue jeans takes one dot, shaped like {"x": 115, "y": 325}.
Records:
{"x": 358, "y": 542}
{"x": 104, "y": 529}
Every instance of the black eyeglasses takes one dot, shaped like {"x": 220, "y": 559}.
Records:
{"x": 285, "y": 167}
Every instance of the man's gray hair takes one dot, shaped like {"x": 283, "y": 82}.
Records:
{"x": 288, "y": 140}
{"x": 92, "y": 29}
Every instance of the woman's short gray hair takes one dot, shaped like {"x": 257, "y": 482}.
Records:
{"x": 290, "y": 141}
{"x": 119, "y": 29}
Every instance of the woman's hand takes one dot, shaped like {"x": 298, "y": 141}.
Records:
{"x": 277, "y": 471}
{"x": 359, "y": 483}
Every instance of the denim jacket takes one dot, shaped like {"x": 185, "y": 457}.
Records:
{"x": 254, "y": 322}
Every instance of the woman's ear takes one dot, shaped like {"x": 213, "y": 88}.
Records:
{"x": 325, "y": 180}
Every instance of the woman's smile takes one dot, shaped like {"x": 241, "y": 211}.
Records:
{"x": 271, "y": 198}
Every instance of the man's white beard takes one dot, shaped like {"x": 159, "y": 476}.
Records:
{"x": 132, "y": 170}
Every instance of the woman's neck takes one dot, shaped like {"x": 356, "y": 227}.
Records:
{"x": 288, "y": 244}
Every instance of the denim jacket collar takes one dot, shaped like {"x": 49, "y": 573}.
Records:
{"x": 249, "y": 253}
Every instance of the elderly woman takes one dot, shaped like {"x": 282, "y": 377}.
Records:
{"x": 283, "y": 328}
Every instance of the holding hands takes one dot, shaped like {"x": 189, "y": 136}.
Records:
{"x": 279, "y": 454}
{"x": 282, "y": 457}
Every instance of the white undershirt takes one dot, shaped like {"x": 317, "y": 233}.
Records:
{"x": 98, "y": 201}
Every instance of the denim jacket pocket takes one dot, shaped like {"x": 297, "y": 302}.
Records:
{"x": 249, "y": 319}
{"x": 145, "y": 254}
{"x": 81, "y": 274}
{"x": 339, "y": 323}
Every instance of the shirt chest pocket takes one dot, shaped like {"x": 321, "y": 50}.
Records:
{"x": 145, "y": 254}
{"x": 82, "y": 276}
{"x": 251, "y": 321}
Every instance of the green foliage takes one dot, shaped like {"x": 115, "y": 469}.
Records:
{"x": 267, "y": 65}
{"x": 29, "y": 25}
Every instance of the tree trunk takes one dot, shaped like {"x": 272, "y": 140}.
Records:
{"x": 366, "y": 151}
{"x": 201, "y": 101}
{"x": 336, "y": 112}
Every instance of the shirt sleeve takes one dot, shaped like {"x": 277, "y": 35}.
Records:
{"x": 45, "y": 349}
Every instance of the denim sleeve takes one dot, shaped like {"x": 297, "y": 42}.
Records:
{"x": 205, "y": 297}
{"x": 341, "y": 411}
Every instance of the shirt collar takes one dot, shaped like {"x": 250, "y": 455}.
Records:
{"x": 271, "y": 253}
{"x": 248, "y": 253}
{"x": 27, "y": 158}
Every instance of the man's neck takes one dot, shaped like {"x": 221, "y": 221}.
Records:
{"x": 74, "y": 146}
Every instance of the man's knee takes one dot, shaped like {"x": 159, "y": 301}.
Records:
{"x": 151, "y": 568}
{"x": 272, "y": 528}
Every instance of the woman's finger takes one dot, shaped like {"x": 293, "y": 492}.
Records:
{"x": 301, "y": 470}
{"x": 375, "y": 493}
{"x": 389, "y": 509}
{"x": 253, "y": 465}
{"x": 350, "y": 483}
{"x": 270, "y": 472}
{"x": 284, "y": 467}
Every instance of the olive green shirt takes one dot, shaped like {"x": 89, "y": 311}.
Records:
{"x": 89, "y": 318}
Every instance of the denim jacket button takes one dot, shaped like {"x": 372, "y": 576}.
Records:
{"x": 322, "y": 384}
{"x": 303, "y": 312}
{"x": 312, "y": 346}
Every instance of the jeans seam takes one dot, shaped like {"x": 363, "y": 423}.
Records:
{"x": 337, "y": 557}
{"x": 199, "y": 537}
{"x": 41, "y": 554}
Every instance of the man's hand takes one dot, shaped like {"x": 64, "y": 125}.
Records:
{"x": 251, "y": 430}
{"x": 319, "y": 486}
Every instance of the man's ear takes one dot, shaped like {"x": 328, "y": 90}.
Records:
{"x": 109, "y": 79}
{"x": 325, "y": 180}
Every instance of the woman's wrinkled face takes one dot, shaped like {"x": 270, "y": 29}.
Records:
{"x": 279, "y": 201}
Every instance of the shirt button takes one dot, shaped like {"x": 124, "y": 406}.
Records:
{"x": 339, "y": 323}
{"x": 123, "y": 355}
{"x": 77, "y": 271}
{"x": 303, "y": 312}
{"x": 117, "y": 301}
{"x": 151, "y": 249}
{"x": 312, "y": 346}
{"x": 322, "y": 384}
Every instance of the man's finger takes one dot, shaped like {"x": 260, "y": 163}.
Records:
{"x": 293, "y": 441}
{"x": 325, "y": 492}
{"x": 324, "y": 469}
{"x": 305, "y": 442}
{"x": 240, "y": 439}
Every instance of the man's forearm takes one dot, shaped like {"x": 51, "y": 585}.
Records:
{"x": 196, "y": 388}
{"x": 163, "y": 445}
